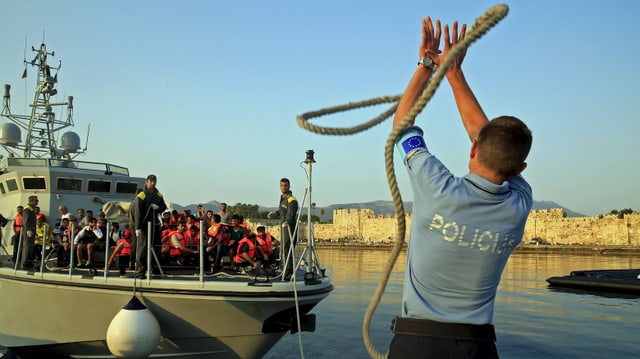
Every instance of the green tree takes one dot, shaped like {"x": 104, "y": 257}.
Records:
{"x": 314, "y": 218}
{"x": 245, "y": 210}
{"x": 621, "y": 213}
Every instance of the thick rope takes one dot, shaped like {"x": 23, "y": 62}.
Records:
{"x": 482, "y": 24}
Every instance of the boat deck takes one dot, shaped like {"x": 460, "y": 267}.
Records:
{"x": 180, "y": 273}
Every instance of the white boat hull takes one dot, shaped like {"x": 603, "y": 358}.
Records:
{"x": 197, "y": 319}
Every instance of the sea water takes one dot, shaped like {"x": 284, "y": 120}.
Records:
{"x": 531, "y": 319}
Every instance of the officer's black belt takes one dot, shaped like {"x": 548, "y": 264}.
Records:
{"x": 430, "y": 328}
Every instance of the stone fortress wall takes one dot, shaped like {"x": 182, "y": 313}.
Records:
{"x": 552, "y": 225}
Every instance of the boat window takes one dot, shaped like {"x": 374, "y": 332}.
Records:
{"x": 12, "y": 185}
{"x": 69, "y": 184}
{"x": 2, "y": 190}
{"x": 99, "y": 186}
{"x": 118, "y": 169}
{"x": 33, "y": 183}
{"x": 124, "y": 187}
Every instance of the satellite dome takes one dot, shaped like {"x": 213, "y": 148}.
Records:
{"x": 9, "y": 134}
{"x": 70, "y": 141}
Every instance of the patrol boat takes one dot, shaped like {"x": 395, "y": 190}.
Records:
{"x": 51, "y": 311}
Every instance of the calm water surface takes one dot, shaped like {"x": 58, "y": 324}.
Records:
{"x": 532, "y": 320}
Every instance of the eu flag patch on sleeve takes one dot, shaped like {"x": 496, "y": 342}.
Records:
{"x": 413, "y": 143}
{"x": 409, "y": 141}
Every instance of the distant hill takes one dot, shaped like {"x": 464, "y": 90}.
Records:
{"x": 378, "y": 207}
{"x": 551, "y": 204}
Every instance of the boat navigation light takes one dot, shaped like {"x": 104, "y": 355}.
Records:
{"x": 309, "y": 158}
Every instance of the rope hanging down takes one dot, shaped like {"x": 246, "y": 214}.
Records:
{"x": 482, "y": 24}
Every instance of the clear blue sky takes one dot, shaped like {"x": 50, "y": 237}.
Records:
{"x": 205, "y": 93}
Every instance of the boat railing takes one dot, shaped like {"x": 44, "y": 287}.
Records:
{"x": 102, "y": 167}
{"x": 48, "y": 256}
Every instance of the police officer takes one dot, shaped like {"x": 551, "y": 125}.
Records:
{"x": 148, "y": 204}
{"x": 29, "y": 232}
{"x": 288, "y": 219}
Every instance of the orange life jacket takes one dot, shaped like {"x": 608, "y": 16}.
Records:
{"x": 265, "y": 243}
{"x": 189, "y": 241}
{"x": 251, "y": 252}
{"x": 218, "y": 232}
{"x": 174, "y": 251}
{"x": 18, "y": 223}
{"x": 126, "y": 247}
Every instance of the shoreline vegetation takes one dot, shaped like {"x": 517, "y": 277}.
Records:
{"x": 522, "y": 248}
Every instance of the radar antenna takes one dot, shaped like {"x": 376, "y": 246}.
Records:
{"x": 41, "y": 126}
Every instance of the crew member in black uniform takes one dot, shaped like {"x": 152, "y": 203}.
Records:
{"x": 288, "y": 220}
{"x": 148, "y": 204}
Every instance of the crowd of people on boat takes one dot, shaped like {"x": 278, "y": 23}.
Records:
{"x": 181, "y": 235}
{"x": 176, "y": 236}
{"x": 223, "y": 235}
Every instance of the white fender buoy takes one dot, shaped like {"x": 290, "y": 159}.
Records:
{"x": 134, "y": 332}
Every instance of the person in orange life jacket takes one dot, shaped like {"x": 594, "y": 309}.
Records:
{"x": 236, "y": 233}
{"x": 268, "y": 243}
{"x": 178, "y": 247}
{"x": 126, "y": 233}
{"x": 17, "y": 227}
{"x": 166, "y": 220}
{"x": 192, "y": 243}
{"x": 247, "y": 251}
{"x": 218, "y": 239}
{"x": 122, "y": 251}
{"x": 175, "y": 218}
{"x": 191, "y": 221}
{"x": 244, "y": 224}
{"x": 166, "y": 242}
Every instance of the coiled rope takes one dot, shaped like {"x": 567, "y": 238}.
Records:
{"x": 482, "y": 24}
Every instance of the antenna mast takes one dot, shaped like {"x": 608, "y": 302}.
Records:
{"x": 41, "y": 125}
